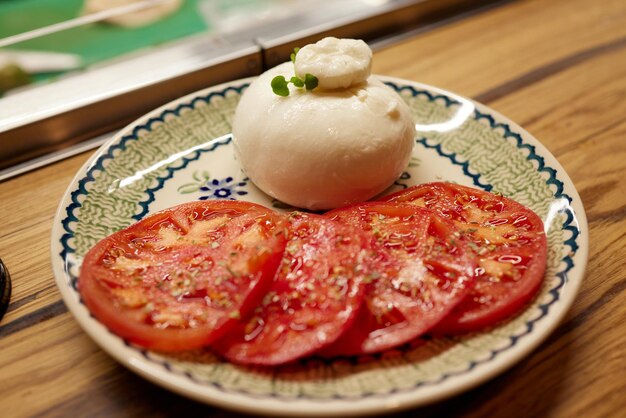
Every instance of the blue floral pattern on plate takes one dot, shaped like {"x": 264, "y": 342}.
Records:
{"x": 226, "y": 188}
{"x": 223, "y": 189}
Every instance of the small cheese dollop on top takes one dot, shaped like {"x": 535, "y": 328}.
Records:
{"x": 343, "y": 142}
{"x": 337, "y": 63}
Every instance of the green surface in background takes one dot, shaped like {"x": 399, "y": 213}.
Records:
{"x": 97, "y": 41}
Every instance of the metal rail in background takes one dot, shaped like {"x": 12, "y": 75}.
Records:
{"x": 52, "y": 122}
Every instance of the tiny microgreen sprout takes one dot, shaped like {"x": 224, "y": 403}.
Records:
{"x": 296, "y": 81}
{"x": 280, "y": 85}
{"x": 293, "y": 54}
{"x": 310, "y": 81}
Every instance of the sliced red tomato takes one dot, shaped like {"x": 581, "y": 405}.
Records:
{"x": 423, "y": 272}
{"x": 179, "y": 279}
{"x": 315, "y": 296}
{"x": 509, "y": 240}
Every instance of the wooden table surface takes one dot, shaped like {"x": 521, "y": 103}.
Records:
{"x": 558, "y": 68}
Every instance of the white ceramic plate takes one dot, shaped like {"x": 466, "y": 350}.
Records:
{"x": 183, "y": 152}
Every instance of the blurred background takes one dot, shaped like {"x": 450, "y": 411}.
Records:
{"x": 72, "y": 72}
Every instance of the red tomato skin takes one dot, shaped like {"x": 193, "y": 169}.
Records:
{"x": 128, "y": 323}
{"x": 449, "y": 201}
{"x": 275, "y": 333}
{"x": 463, "y": 319}
{"x": 394, "y": 315}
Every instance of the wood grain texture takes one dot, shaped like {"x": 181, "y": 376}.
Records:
{"x": 556, "y": 67}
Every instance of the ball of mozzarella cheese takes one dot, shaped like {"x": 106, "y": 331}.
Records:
{"x": 322, "y": 149}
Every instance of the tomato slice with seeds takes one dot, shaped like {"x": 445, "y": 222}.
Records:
{"x": 423, "y": 270}
{"x": 509, "y": 240}
{"x": 180, "y": 278}
{"x": 315, "y": 296}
